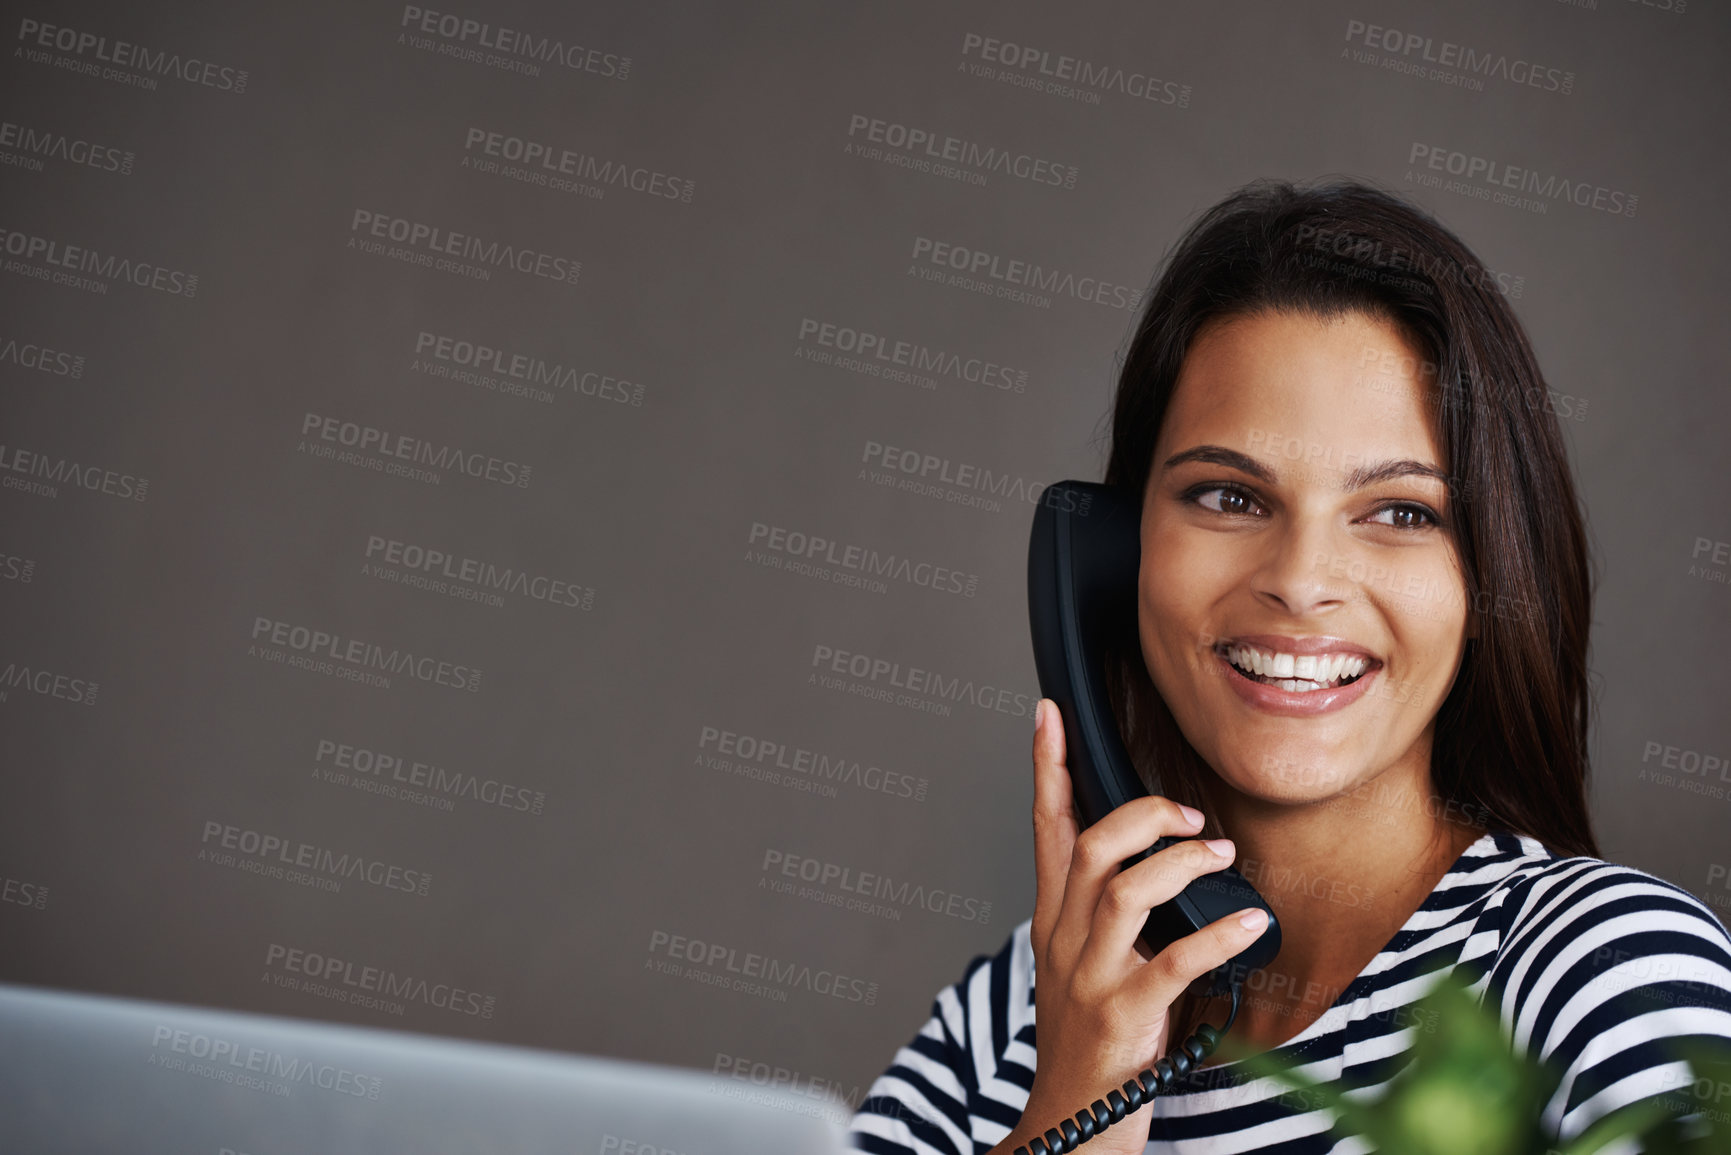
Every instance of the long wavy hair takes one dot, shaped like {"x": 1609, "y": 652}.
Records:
{"x": 1511, "y": 737}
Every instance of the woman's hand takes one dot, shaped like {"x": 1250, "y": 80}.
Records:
{"x": 1102, "y": 1011}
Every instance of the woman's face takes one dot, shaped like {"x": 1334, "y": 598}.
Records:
{"x": 1302, "y": 610}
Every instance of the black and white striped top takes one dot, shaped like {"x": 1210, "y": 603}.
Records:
{"x": 1598, "y": 967}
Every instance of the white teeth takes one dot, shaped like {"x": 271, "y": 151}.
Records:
{"x": 1297, "y": 672}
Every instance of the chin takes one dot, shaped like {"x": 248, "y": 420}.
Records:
{"x": 1277, "y": 773}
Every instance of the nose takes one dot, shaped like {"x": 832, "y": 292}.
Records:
{"x": 1295, "y": 572}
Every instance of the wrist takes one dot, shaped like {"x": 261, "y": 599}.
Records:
{"x": 1129, "y": 1134}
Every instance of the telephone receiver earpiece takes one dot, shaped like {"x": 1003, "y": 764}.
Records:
{"x": 1084, "y": 557}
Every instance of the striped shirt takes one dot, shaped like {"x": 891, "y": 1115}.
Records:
{"x": 1597, "y": 967}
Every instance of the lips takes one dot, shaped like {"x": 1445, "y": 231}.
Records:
{"x": 1297, "y": 665}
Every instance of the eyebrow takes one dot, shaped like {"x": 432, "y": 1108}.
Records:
{"x": 1359, "y": 478}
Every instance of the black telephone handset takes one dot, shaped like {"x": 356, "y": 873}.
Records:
{"x": 1083, "y": 557}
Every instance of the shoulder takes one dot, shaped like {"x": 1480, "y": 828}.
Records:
{"x": 1618, "y": 925}
{"x": 966, "y": 1074}
{"x": 1603, "y": 971}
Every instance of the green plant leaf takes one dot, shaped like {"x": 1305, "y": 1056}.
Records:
{"x": 1465, "y": 1090}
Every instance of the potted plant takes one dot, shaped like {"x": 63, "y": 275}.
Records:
{"x": 1466, "y": 1091}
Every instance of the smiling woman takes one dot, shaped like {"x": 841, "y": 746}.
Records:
{"x": 1361, "y": 649}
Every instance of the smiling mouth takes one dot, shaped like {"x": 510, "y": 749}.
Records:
{"x": 1296, "y": 673}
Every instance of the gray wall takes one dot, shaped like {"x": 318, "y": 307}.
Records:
{"x": 201, "y": 579}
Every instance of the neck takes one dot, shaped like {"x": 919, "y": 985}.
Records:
{"x": 1342, "y": 875}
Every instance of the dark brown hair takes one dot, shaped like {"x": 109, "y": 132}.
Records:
{"x": 1511, "y": 737}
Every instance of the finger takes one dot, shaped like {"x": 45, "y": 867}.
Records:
{"x": 1098, "y": 852}
{"x": 1054, "y": 824}
{"x": 1194, "y": 955}
{"x": 1130, "y": 894}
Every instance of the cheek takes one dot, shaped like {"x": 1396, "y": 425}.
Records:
{"x": 1433, "y": 654}
{"x": 1179, "y": 581}
{"x": 1429, "y": 615}
{"x": 1172, "y": 613}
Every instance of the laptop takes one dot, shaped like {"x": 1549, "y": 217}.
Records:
{"x": 94, "y": 1073}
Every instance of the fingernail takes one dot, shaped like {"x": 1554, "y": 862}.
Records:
{"x": 1191, "y": 815}
{"x": 1039, "y": 714}
{"x": 1221, "y": 846}
{"x": 1253, "y": 919}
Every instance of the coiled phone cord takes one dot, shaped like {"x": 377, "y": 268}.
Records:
{"x": 1167, "y": 1070}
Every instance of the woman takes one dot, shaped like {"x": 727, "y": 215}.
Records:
{"x": 1363, "y": 614}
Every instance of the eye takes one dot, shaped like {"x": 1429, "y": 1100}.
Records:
{"x": 1233, "y": 500}
{"x": 1405, "y": 515}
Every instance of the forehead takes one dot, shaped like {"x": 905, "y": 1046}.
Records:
{"x": 1351, "y": 383}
